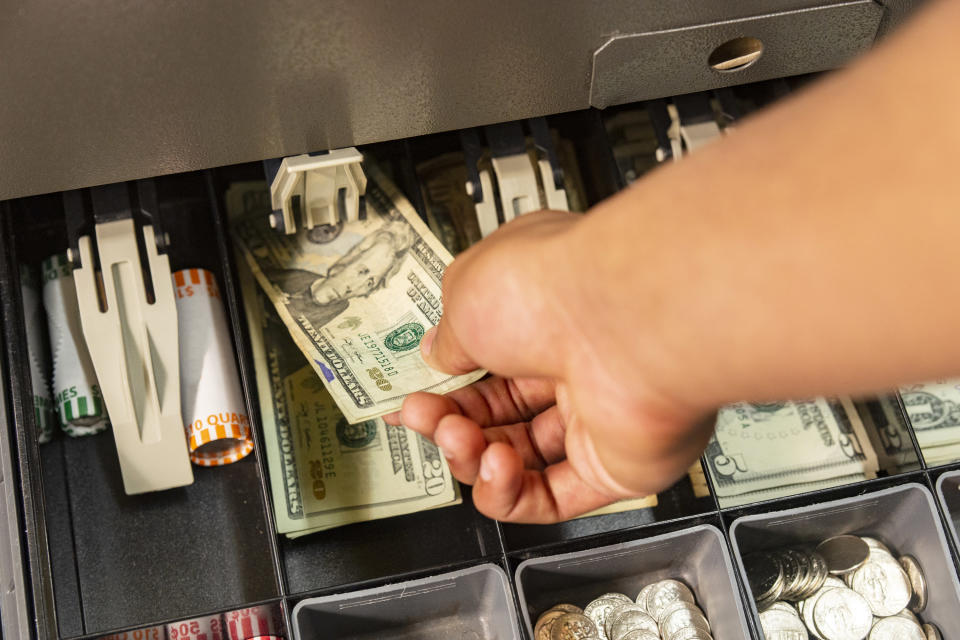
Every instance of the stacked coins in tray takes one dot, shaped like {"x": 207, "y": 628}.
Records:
{"x": 664, "y": 610}
{"x": 846, "y": 588}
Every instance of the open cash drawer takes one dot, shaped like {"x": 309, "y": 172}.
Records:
{"x": 98, "y": 562}
{"x": 101, "y": 562}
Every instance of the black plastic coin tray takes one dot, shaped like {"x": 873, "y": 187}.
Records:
{"x": 697, "y": 556}
{"x": 905, "y": 518}
{"x": 467, "y": 604}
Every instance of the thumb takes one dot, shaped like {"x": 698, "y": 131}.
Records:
{"x": 442, "y": 350}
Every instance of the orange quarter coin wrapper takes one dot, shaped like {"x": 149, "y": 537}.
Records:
{"x": 218, "y": 430}
{"x": 253, "y": 622}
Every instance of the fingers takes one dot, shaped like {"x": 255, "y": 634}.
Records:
{"x": 500, "y": 299}
{"x": 462, "y": 442}
{"x": 506, "y": 491}
{"x": 423, "y": 411}
{"x": 497, "y": 401}
{"x": 492, "y": 401}
{"x": 442, "y": 351}
{"x": 538, "y": 443}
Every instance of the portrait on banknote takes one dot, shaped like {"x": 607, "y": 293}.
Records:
{"x": 320, "y": 296}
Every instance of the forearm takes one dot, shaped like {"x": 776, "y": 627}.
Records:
{"x": 812, "y": 251}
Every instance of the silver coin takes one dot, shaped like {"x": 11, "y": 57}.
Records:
{"x": 665, "y": 592}
{"x": 808, "y": 577}
{"x": 542, "y": 629}
{"x": 681, "y": 615}
{"x": 806, "y": 613}
{"x": 906, "y": 613}
{"x": 783, "y": 606}
{"x": 806, "y": 607}
{"x": 692, "y": 633}
{"x": 896, "y": 628}
{"x": 873, "y": 543}
{"x": 843, "y": 553}
{"x": 918, "y": 583}
{"x": 842, "y": 614}
{"x": 599, "y": 609}
{"x": 642, "y": 596}
{"x": 629, "y": 618}
{"x": 792, "y": 564}
{"x": 640, "y": 634}
{"x": 566, "y": 608}
{"x": 615, "y": 611}
{"x": 763, "y": 605}
{"x": 765, "y": 576}
{"x": 572, "y": 626}
{"x": 884, "y": 583}
{"x": 782, "y": 625}
{"x": 932, "y": 632}
{"x": 819, "y": 574}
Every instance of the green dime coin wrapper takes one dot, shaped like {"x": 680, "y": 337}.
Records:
{"x": 38, "y": 353}
{"x": 76, "y": 392}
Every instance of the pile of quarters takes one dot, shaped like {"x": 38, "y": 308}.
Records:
{"x": 664, "y": 610}
{"x": 846, "y": 588}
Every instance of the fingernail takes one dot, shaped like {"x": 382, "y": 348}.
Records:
{"x": 486, "y": 473}
{"x": 446, "y": 454}
{"x": 426, "y": 343}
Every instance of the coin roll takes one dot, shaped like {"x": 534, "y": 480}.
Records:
{"x": 206, "y": 628}
{"x": 37, "y": 354}
{"x": 147, "y": 633}
{"x": 76, "y": 393}
{"x": 218, "y": 430}
{"x": 252, "y": 622}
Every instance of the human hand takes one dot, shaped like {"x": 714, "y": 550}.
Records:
{"x": 566, "y": 424}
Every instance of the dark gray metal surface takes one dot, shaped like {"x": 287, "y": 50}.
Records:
{"x": 631, "y": 67}
{"x": 98, "y": 92}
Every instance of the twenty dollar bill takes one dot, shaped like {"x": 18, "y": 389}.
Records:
{"x": 357, "y": 298}
{"x": 325, "y": 472}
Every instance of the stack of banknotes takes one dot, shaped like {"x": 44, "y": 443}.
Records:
{"x": 765, "y": 451}
{"x": 336, "y": 314}
{"x": 934, "y": 412}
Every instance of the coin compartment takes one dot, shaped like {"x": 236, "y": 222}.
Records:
{"x": 948, "y": 492}
{"x": 470, "y": 603}
{"x": 905, "y": 518}
{"x": 698, "y": 556}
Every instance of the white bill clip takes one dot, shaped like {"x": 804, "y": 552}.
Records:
{"x": 324, "y": 189}
{"x": 523, "y": 174}
{"x": 133, "y": 344}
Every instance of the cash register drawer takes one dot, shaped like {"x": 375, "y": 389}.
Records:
{"x": 97, "y": 562}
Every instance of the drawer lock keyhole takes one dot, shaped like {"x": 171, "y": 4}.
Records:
{"x": 736, "y": 54}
